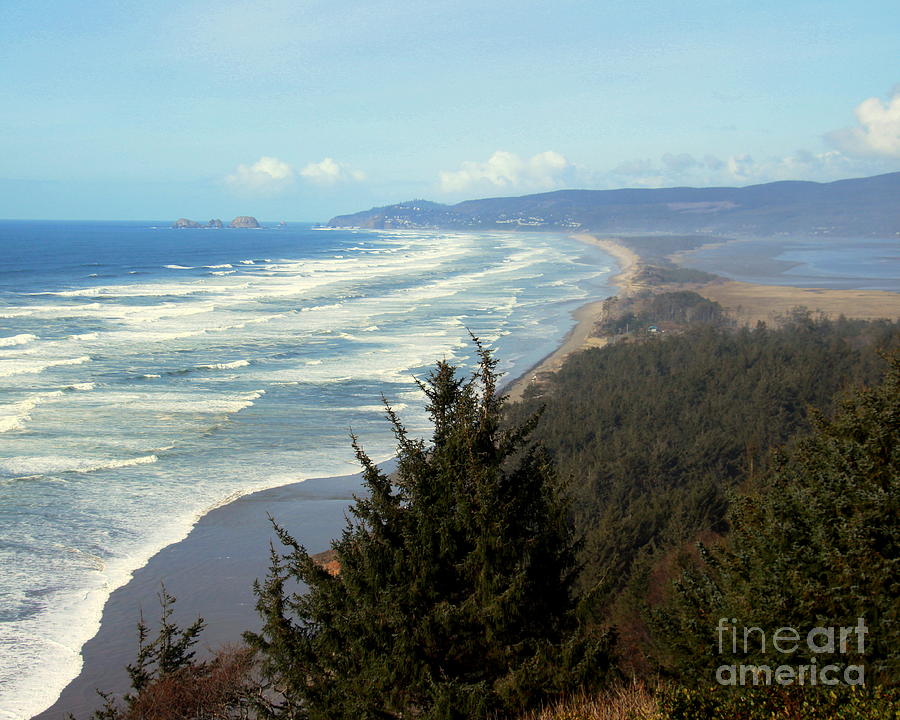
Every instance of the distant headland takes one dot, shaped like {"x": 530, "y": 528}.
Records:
{"x": 846, "y": 208}
{"x": 241, "y": 221}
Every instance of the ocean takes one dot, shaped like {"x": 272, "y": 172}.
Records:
{"x": 148, "y": 375}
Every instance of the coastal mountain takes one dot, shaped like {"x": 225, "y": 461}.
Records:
{"x": 857, "y": 207}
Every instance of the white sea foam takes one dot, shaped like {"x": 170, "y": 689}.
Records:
{"x": 321, "y": 302}
{"x": 194, "y": 287}
{"x": 397, "y": 407}
{"x": 19, "y": 367}
{"x": 21, "y": 339}
{"x": 154, "y": 313}
{"x": 180, "y": 267}
{"x": 175, "y": 403}
{"x": 225, "y": 366}
{"x": 114, "y": 464}
{"x": 20, "y": 352}
{"x": 15, "y": 415}
{"x": 31, "y": 466}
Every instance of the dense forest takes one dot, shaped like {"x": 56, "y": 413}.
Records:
{"x": 655, "y": 435}
{"x": 599, "y": 530}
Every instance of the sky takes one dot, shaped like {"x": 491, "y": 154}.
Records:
{"x": 303, "y": 109}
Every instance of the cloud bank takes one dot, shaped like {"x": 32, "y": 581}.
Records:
{"x": 739, "y": 169}
{"x": 877, "y": 133}
{"x": 268, "y": 174}
{"x": 507, "y": 170}
{"x": 870, "y": 147}
{"x": 330, "y": 172}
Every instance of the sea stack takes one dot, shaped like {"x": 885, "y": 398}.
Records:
{"x": 215, "y": 223}
{"x": 185, "y": 223}
{"x": 244, "y": 221}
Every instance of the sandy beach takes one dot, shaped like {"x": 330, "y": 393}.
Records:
{"x": 747, "y": 303}
{"x": 581, "y": 336}
{"x": 211, "y": 573}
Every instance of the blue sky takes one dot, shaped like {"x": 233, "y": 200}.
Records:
{"x": 301, "y": 109}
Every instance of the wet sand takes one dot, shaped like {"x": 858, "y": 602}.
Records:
{"x": 211, "y": 573}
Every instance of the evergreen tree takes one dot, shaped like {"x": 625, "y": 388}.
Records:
{"x": 170, "y": 651}
{"x": 815, "y": 545}
{"x": 169, "y": 683}
{"x": 454, "y": 594}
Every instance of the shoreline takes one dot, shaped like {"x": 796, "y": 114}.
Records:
{"x": 211, "y": 573}
{"x": 211, "y": 570}
{"x": 746, "y": 302}
{"x": 581, "y": 336}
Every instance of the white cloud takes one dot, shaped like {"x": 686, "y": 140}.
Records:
{"x": 680, "y": 163}
{"x": 740, "y": 169}
{"x": 802, "y": 165}
{"x": 743, "y": 168}
{"x": 878, "y": 130}
{"x": 672, "y": 169}
{"x": 268, "y": 174}
{"x": 507, "y": 170}
{"x": 331, "y": 172}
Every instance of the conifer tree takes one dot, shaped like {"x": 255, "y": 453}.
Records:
{"x": 454, "y": 594}
{"x": 169, "y": 683}
{"x": 817, "y": 544}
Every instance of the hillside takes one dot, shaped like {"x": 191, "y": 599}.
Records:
{"x": 857, "y": 207}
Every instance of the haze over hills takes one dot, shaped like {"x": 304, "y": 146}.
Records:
{"x": 845, "y": 208}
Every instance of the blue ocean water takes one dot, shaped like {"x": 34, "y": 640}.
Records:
{"x": 149, "y": 374}
{"x": 821, "y": 262}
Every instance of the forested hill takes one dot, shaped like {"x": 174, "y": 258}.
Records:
{"x": 846, "y": 208}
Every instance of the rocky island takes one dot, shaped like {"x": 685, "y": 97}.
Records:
{"x": 244, "y": 221}
{"x": 241, "y": 221}
{"x": 185, "y": 223}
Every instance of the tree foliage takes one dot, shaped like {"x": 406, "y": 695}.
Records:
{"x": 169, "y": 683}
{"x": 816, "y": 544}
{"x": 454, "y": 595}
{"x": 656, "y": 434}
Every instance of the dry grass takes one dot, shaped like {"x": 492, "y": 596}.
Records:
{"x": 750, "y": 303}
{"x": 634, "y": 701}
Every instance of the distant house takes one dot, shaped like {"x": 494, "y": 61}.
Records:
{"x": 653, "y": 329}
